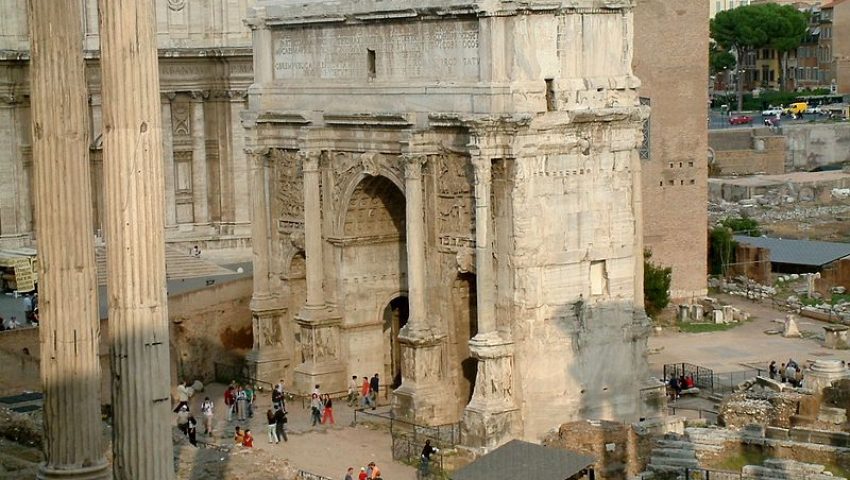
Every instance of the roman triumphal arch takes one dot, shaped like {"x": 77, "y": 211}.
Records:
{"x": 447, "y": 193}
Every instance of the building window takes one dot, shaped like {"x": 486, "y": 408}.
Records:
{"x": 690, "y": 164}
{"x": 371, "y": 63}
{"x": 644, "y": 151}
{"x": 598, "y": 278}
{"x": 550, "y": 95}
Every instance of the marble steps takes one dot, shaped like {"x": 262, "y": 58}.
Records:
{"x": 178, "y": 265}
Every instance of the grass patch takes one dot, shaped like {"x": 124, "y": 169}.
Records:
{"x": 747, "y": 456}
{"x": 835, "y": 299}
{"x": 706, "y": 327}
{"x": 837, "y": 470}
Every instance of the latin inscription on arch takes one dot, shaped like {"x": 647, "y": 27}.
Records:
{"x": 448, "y": 50}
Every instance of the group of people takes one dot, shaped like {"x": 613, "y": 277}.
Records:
{"x": 367, "y": 390}
{"x": 369, "y": 472}
{"x": 186, "y": 421}
{"x": 678, "y": 384}
{"x": 789, "y": 372}
{"x": 240, "y": 401}
{"x": 321, "y": 408}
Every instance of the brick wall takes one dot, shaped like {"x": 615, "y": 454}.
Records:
{"x": 671, "y": 49}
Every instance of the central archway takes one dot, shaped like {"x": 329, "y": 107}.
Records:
{"x": 373, "y": 276}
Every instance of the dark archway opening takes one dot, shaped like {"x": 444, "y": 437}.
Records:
{"x": 466, "y": 326}
{"x": 396, "y": 314}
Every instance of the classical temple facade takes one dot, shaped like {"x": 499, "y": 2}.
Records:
{"x": 205, "y": 69}
{"x": 448, "y": 193}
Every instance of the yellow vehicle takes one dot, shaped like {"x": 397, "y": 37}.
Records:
{"x": 797, "y": 109}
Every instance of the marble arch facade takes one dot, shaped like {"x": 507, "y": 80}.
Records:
{"x": 512, "y": 130}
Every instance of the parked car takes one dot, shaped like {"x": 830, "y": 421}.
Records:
{"x": 772, "y": 112}
{"x": 817, "y": 110}
{"x": 740, "y": 120}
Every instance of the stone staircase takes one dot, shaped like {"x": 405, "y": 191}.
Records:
{"x": 674, "y": 452}
{"x": 776, "y": 469}
{"x": 178, "y": 265}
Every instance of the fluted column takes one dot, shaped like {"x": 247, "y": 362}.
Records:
{"x": 319, "y": 322}
{"x": 168, "y": 161}
{"x": 491, "y": 417}
{"x": 70, "y": 328}
{"x": 415, "y": 222}
{"x": 485, "y": 286}
{"x": 199, "y": 161}
{"x": 135, "y": 242}
{"x": 267, "y": 359}
{"x": 313, "y": 231}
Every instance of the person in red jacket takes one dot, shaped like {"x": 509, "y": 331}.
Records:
{"x": 230, "y": 401}
{"x": 248, "y": 439}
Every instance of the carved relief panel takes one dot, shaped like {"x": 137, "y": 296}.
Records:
{"x": 289, "y": 189}
{"x": 455, "y": 203}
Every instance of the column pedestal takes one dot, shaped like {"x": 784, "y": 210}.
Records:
{"x": 421, "y": 397}
{"x": 320, "y": 344}
{"x": 268, "y": 360}
{"x": 491, "y": 418}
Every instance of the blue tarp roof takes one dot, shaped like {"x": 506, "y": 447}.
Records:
{"x": 798, "y": 252}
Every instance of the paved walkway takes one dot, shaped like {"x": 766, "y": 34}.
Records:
{"x": 326, "y": 450}
{"x": 734, "y": 349}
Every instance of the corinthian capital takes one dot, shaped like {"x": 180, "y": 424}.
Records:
{"x": 311, "y": 160}
{"x": 413, "y": 165}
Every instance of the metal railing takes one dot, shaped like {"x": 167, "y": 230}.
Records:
{"x": 441, "y": 435}
{"x": 305, "y": 475}
{"x": 409, "y": 450}
{"x": 705, "y": 413}
{"x": 706, "y": 379}
{"x": 383, "y": 392}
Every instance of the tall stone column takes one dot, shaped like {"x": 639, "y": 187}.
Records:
{"x": 199, "y": 161}
{"x": 138, "y": 317}
{"x": 491, "y": 416}
{"x": 168, "y": 161}
{"x": 418, "y": 399}
{"x": 70, "y": 326}
{"x": 319, "y": 323}
{"x": 267, "y": 358}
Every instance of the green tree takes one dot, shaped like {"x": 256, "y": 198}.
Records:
{"x": 787, "y": 28}
{"x": 721, "y": 250}
{"x": 742, "y": 226}
{"x": 656, "y": 285}
{"x": 749, "y": 27}
{"x": 719, "y": 59}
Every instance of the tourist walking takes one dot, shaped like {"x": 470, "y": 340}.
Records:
{"x": 782, "y": 376}
{"x": 365, "y": 398}
{"x": 238, "y": 436}
{"x": 798, "y": 377}
{"x": 241, "y": 403}
{"x": 425, "y": 458}
{"x": 208, "y": 411}
{"x": 277, "y": 396}
{"x": 352, "y": 391}
{"x": 376, "y": 472}
{"x": 183, "y": 419}
{"x": 315, "y": 409}
{"x": 271, "y": 425}
{"x": 374, "y": 388}
{"x": 363, "y": 475}
{"x": 328, "y": 409}
{"x": 184, "y": 391}
{"x": 249, "y": 396}
{"x": 771, "y": 370}
{"x": 280, "y": 424}
{"x": 192, "y": 430}
{"x": 349, "y": 474}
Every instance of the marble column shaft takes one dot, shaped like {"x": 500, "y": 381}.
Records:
{"x": 133, "y": 178}
{"x": 260, "y": 226}
{"x": 485, "y": 286}
{"x": 199, "y": 163}
{"x": 313, "y": 230}
{"x": 415, "y": 221}
{"x": 70, "y": 325}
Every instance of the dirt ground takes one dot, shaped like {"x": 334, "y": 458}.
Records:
{"x": 742, "y": 346}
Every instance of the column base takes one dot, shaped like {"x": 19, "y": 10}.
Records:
{"x": 99, "y": 472}
{"x": 491, "y": 418}
{"x": 484, "y": 429}
{"x": 421, "y": 397}
{"x": 268, "y": 365}
{"x": 330, "y": 376}
{"x": 320, "y": 342}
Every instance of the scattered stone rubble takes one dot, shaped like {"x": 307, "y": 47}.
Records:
{"x": 709, "y": 310}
